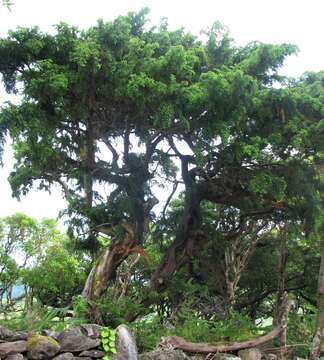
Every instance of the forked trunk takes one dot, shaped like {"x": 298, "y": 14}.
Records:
{"x": 188, "y": 238}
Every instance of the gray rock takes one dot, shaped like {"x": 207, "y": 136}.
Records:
{"x": 15, "y": 347}
{"x": 8, "y": 335}
{"x": 40, "y": 347}
{"x": 250, "y": 354}
{"x": 73, "y": 340}
{"x": 92, "y": 353}
{"x": 93, "y": 331}
{"x": 73, "y": 331}
{"x": 65, "y": 356}
{"x": 15, "y": 357}
{"x": 164, "y": 355}
{"x": 126, "y": 344}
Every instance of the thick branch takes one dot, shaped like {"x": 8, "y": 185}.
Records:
{"x": 179, "y": 343}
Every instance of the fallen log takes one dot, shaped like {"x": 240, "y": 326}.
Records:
{"x": 177, "y": 342}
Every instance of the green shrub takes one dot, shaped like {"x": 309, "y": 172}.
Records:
{"x": 300, "y": 332}
{"x": 148, "y": 333}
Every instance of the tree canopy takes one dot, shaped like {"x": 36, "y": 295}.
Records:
{"x": 121, "y": 114}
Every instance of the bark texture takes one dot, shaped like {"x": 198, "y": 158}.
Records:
{"x": 105, "y": 269}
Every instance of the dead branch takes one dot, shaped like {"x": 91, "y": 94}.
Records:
{"x": 176, "y": 342}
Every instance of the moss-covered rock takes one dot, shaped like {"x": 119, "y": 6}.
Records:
{"x": 41, "y": 347}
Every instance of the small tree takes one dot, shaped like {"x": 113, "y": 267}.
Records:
{"x": 56, "y": 278}
{"x": 23, "y": 242}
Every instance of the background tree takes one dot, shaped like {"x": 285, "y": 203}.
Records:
{"x": 57, "y": 277}
{"x": 23, "y": 243}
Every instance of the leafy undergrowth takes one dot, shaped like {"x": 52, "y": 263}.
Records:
{"x": 238, "y": 327}
{"x": 41, "y": 318}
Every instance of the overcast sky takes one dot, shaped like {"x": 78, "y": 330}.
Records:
{"x": 287, "y": 21}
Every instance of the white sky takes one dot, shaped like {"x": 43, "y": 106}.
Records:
{"x": 299, "y": 22}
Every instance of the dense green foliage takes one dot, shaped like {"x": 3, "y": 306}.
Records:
{"x": 124, "y": 117}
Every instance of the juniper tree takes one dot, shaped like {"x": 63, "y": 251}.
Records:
{"x": 122, "y": 106}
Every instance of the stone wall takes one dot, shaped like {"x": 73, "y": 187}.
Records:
{"x": 79, "y": 342}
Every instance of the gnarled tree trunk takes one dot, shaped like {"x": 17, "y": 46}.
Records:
{"x": 187, "y": 237}
{"x": 105, "y": 269}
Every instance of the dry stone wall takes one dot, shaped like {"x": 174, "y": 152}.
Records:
{"x": 77, "y": 343}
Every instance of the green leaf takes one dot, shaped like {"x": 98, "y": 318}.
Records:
{"x": 106, "y": 347}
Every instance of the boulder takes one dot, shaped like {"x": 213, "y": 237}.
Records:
{"x": 164, "y": 355}
{"x": 14, "y": 347}
{"x": 40, "y": 347}
{"x": 126, "y": 344}
{"x": 74, "y": 340}
{"x": 250, "y": 354}
{"x": 92, "y": 353}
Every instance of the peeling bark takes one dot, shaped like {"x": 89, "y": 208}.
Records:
{"x": 105, "y": 269}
